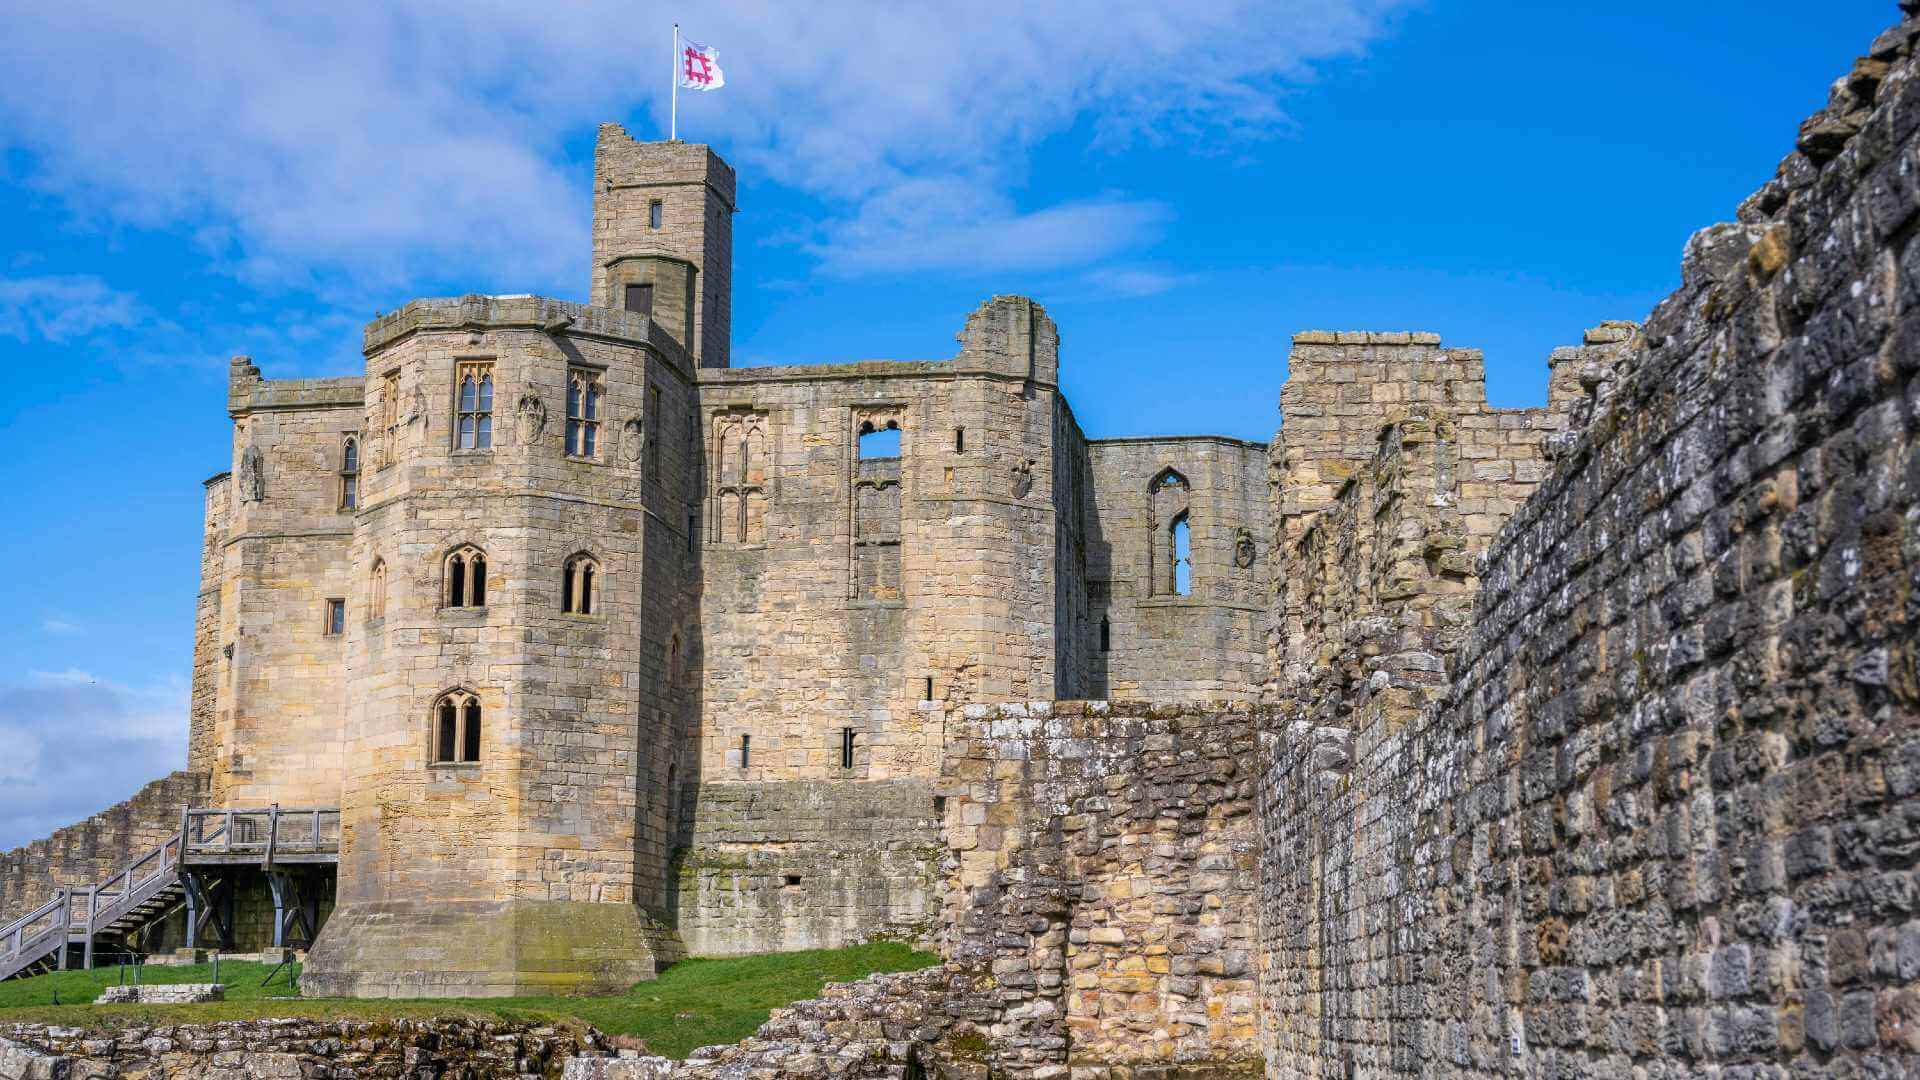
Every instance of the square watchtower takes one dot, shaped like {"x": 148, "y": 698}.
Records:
{"x": 663, "y": 238}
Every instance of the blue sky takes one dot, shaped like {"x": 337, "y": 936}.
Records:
{"x": 1183, "y": 193}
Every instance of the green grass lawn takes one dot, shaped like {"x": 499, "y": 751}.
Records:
{"x": 694, "y": 1003}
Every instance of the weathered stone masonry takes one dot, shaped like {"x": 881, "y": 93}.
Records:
{"x": 1661, "y": 818}
{"x": 1587, "y": 740}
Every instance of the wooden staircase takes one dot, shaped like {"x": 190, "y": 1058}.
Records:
{"x": 150, "y": 887}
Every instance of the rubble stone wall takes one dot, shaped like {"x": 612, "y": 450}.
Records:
{"x": 90, "y": 851}
{"x": 250, "y": 1049}
{"x": 1652, "y": 810}
{"x": 1103, "y": 868}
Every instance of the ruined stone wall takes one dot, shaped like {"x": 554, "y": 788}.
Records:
{"x": 1209, "y": 643}
{"x": 1345, "y": 393}
{"x": 248, "y": 1049}
{"x": 90, "y": 851}
{"x": 1656, "y": 812}
{"x": 1103, "y": 868}
{"x": 847, "y": 594}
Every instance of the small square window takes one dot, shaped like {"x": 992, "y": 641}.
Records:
{"x": 656, "y": 214}
{"x": 336, "y": 618}
{"x": 793, "y": 880}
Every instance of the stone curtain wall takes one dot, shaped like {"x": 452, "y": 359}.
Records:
{"x": 809, "y": 865}
{"x": 1662, "y": 820}
{"x": 89, "y": 851}
{"x": 1102, "y": 867}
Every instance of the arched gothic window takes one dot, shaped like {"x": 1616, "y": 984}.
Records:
{"x": 583, "y": 413}
{"x": 1181, "y": 542}
{"x": 1171, "y": 570}
{"x": 456, "y": 728}
{"x": 740, "y": 477}
{"x": 466, "y": 578}
{"x": 377, "y": 590}
{"x": 579, "y": 580}
{"x": 350, "y": 473}
{"x": 473, "y": 424}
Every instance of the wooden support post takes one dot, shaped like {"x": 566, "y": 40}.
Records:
{"x": 66, "y": 915}
{"x": 93, "y": 906}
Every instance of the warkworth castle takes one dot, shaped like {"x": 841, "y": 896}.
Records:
{"x": 1431, "y": 740}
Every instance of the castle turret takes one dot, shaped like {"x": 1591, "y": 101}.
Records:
{"x": 663, "y": 238}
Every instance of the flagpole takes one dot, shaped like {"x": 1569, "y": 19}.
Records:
{"x": 673, "y": 124}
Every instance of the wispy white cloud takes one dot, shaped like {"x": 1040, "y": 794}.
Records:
{"x": 381, "y": 143}
{"x": 945, "y": 224}
{"x": 1131, "y": 282}
{"x": 60, "y": 627}
{"x": 78, "y": 743}
{"x": 62, "y": 308}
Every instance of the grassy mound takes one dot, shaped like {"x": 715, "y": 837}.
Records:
{"x": 694, "y": 1003}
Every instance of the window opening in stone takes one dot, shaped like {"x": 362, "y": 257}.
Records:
{"x": 656, "y": 211}
{"x": 1182, "y": 557}
{"x": 470, "y": 742}
{"x": 377, "y": 590}
{"x": 639, "y": 300}
{"x": 880, "y": 443}
{"x": 926, "y": 689}
{"x": 746, "y": 748}
{"x": 336, "y": 618}
{"x": 466, "y": 574}
{"x": 583, "y": 413}
{"x": 693, "y": 528}
{"x": 350, "y": 474}
{"x": 959, "y": 440}
{"x": 939, "y": 804}
{"x": 673, "y": 661}
{"x": 846, "y": 748}
{"x": 456, "y": 728}
{"x": 793, "y": 879}
{"x": 577, "y": 585}
{"x": 1106, "y": 635}
{"x": 473, "y": 424}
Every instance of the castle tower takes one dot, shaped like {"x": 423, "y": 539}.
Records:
{"x": 663, "y": 238}
{"x": 521, "y": 565}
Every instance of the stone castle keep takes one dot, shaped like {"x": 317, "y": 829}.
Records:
{"x": 1433, "y": 739}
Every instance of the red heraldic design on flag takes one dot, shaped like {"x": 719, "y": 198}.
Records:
{"x": 700, "y": 67}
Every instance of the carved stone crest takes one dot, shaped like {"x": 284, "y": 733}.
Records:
{"x": 1243, "y": 548}
{"x": 533, "y": 417}
{"x": 253, "y": 475}
{"x": 633, "y": 439}
{"x": 1022, "y": 478}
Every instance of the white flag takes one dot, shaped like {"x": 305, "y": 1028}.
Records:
{"x": 700, "y": 67}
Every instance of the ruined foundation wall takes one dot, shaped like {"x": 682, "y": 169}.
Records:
{"x": 1661, "y": 819}
{"x": 1103, "y": 867}
{"x": 90, "y": 851}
